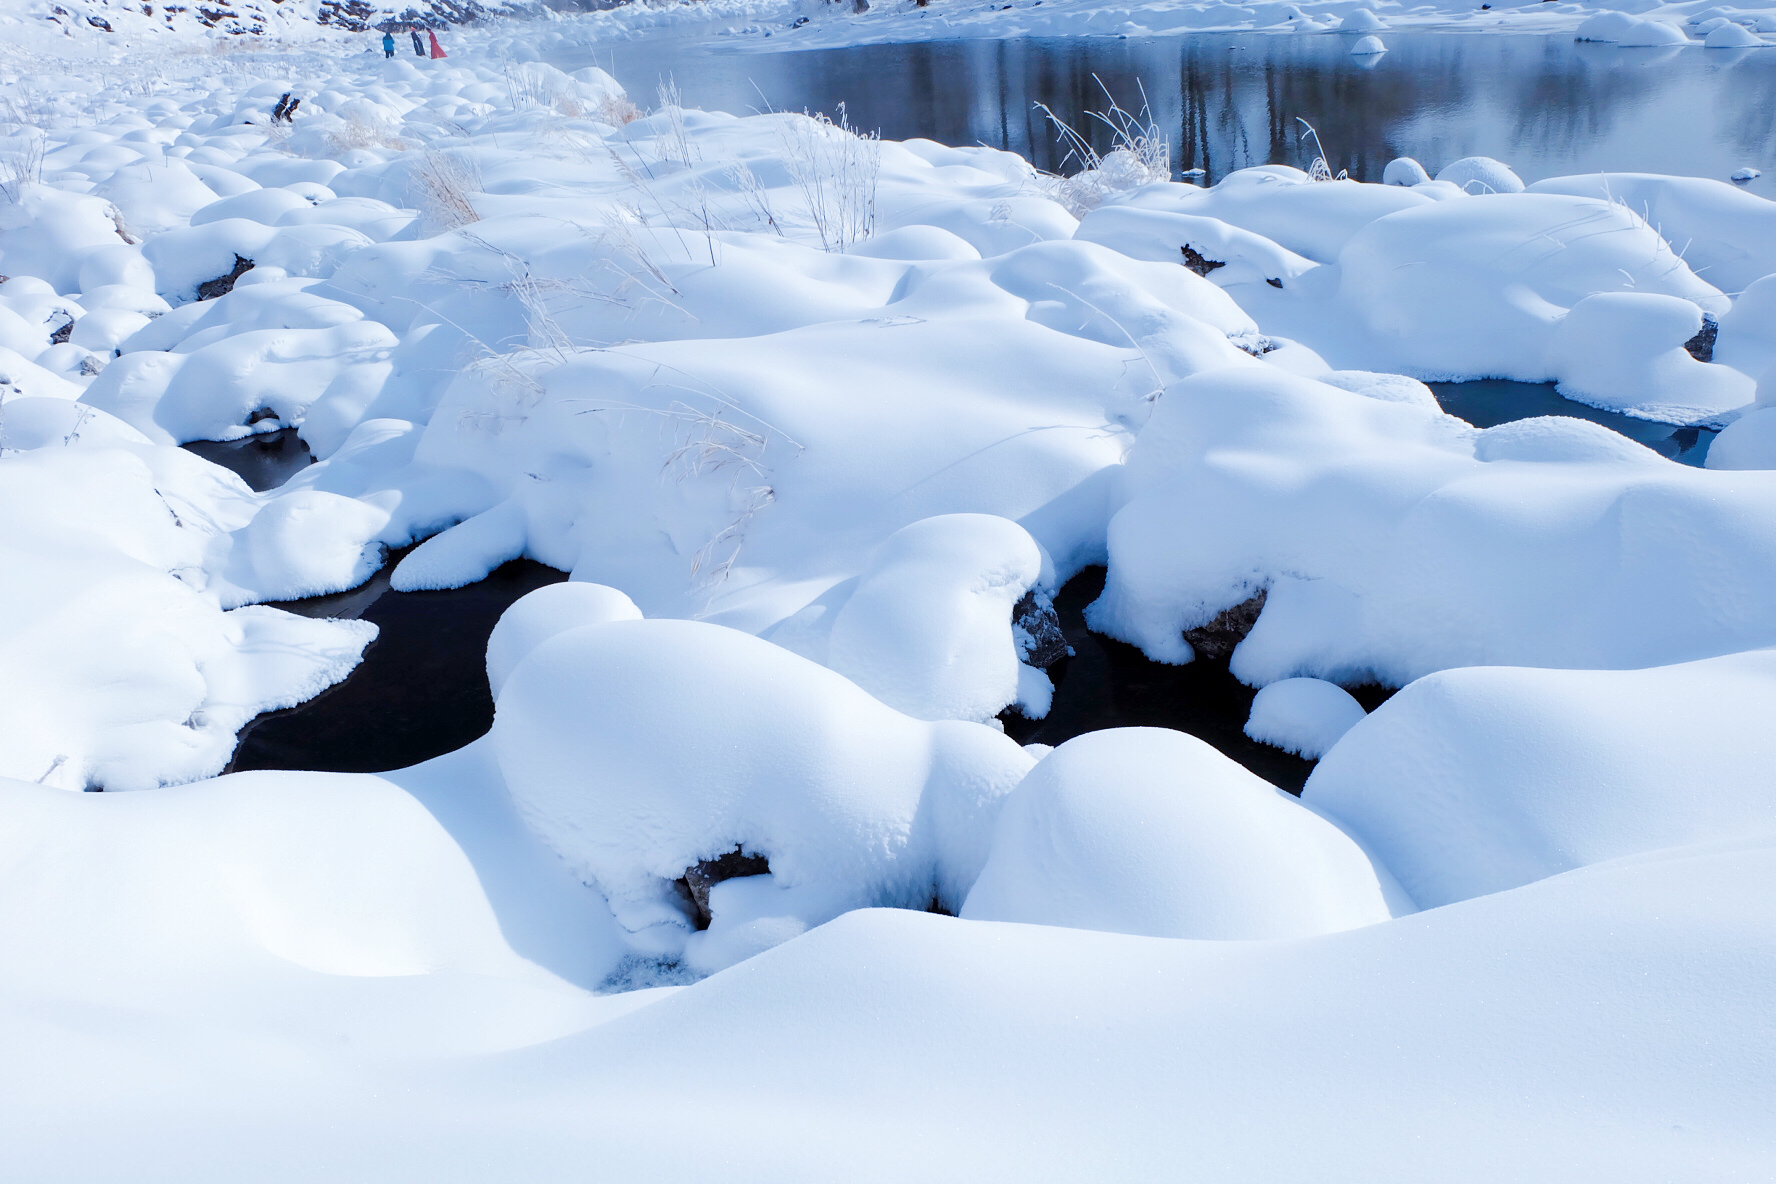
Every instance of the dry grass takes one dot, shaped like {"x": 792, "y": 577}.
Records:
{"x": 441, "y": 185}
{"x": 1139, "y": 155}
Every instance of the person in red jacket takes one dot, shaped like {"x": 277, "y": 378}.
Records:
{"x": 437, "y": 50}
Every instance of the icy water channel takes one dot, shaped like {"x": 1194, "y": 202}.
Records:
{"x": 1545, "y": 104}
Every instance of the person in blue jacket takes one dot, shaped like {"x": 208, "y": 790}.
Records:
{"x": 388, "y": 44}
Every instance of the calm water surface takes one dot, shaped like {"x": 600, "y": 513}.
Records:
{"x": 1545, "y": 104}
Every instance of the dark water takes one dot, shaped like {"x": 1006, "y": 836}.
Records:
{"x": 1545, "y": 104}
{"x": 421, "y": 690}
{"x": 1493, "y": 401}
{"x": 264, "y": 462}
{"x": 1110, "y": 684}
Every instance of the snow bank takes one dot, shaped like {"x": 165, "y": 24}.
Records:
{"x": 1150, "y": 831}
{"x": 289, "y": 909}
{"x": 1474, "y": 288}
{"x": 1725, "y": 233}
{"x": 1394, "y": 541}
{"x": 119, "y": 672}
{"x": 1478, "y": 780}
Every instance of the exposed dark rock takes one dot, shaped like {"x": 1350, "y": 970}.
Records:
{"x": 1194, "y": 260}
{"x": 699, "y": 878}
{"x": 60, "y": 336}
{"x": 1275, "y": 283}
{"x": 1037, "y": 631}
{"x": 1701, "y": 346}
{"x": 1216, "y": 640}
{"x": 222, "y": 285}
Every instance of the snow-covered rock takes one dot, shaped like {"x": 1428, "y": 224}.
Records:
{"x": 1478, "y": 780}
{"x": 639, "y": 748}
{"x": 1151, "y": 831}
{"x": 1304, "y": 716}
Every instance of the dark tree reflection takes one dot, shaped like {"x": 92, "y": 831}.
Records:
{"x": 1544, "y": 104}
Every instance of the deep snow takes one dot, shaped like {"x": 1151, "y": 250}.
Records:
{"x": 817, "y": 424}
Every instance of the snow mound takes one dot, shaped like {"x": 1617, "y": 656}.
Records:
{"x": 637, "y": 749}
{"x": 1304, "y": 716}
{"x": 928, "y": 629}
{"x": 118, "y": 671}
{"x": 1728, "y": 35}
{"x": 1625, "y": 351}
{"x": 1481, "y": 174}
{"x": 1362, "y": 20}
{"x": 1394, "y": 541}
{"x": 1153, "y": 832}
{"x": 1479, "y": 780}
{"x": 1645, "y": 33}
{"x": 1367, "y": 45}
{"x": 1472, "y": 289}
{"x": 1725, "y": 233}
{"x": 537, "y": 616}
{"x": 1404, "y": 170}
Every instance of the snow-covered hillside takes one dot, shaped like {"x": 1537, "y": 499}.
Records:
{"x": 747, "y": 879}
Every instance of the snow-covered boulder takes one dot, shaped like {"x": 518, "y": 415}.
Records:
{"x": 928, "y": 629}
{"x": 537, "y": 616}
{"x": 1394, "y": 541}
{"x": 1726, "y": 234}
{"x": 1481, "y": 174}
{"x": 1625, "y": 350}
{"x": 1474, "y": 288}
{"x": 637, "y": 749}
{"x": 1224, "y": 254}
{"x": 1304, "y": 716}
{"x": 1478, "y": 780}
{"x": 1404, "y": 170}
{"x": 1151, "y": 831}
{"x": 117, "y": 671}
{"x": 1313, "y": 219}
{"x": 1644, "y": 33}
{"x": 1728, "y": 35}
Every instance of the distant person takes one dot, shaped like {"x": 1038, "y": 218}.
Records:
{"x": 418, "y": 45}
{"x": 388, "y": 44}
{"x": 437, "y": 50}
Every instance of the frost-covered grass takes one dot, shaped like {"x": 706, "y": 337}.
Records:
{"x": 811, "y": 418}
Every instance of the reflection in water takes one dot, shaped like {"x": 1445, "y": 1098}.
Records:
{"x": 1546, "y": 105}
{"x": 264, "y": 461}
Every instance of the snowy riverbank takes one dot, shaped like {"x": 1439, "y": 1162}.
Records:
{"x": 818, "y": 424}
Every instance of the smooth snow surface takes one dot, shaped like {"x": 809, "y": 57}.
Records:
{"x": 1473, "y": 781}
{"x": 1150, "y": 831}
{"x": 1305, "y": 716}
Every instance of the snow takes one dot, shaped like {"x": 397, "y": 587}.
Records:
{"x": 1304, "y": 716}
{"x": 1395, "y": 541}
{"x": 1477, "y": 780}
{"x": 805, "y": 414}
{"x": 1153, "y": 832}
{"x": 638, "y": 748}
